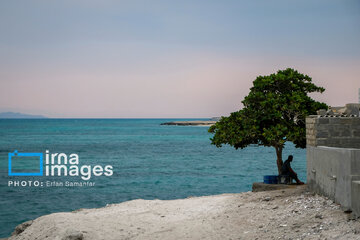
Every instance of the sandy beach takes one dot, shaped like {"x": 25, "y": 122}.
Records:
{"x": 281, "y": 214}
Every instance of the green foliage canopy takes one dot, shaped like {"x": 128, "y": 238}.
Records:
{"x": 274, "y": 112}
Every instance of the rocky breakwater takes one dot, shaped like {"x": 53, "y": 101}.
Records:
{"x": 190, "y": 123}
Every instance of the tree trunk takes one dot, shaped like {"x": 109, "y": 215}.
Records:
{"x": 279, "y": 160}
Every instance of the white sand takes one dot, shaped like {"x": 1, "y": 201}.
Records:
{"x": 282, "y": 214}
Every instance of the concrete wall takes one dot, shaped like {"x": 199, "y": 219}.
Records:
{"x": 335, "y": 173}
{"x": 343, "y": 132}
{"x": 355, "y": 197}
{"x": 333, "y": 156}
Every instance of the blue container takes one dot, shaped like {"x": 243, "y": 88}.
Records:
{"x": 271, "y": 179}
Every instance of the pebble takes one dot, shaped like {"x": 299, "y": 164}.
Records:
{"x": 267, "y": 199}
{"x": 71, "y": 234}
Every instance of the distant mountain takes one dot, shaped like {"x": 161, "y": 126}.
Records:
{"x": 18, "y": 115}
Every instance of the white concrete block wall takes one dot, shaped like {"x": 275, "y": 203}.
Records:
{"x": 331, "y": 172}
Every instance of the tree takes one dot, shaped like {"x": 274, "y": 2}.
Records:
{"x": 274, "y": 112}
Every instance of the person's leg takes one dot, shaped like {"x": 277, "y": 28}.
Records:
{"x": 294, "y": 176}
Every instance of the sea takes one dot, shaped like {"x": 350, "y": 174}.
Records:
{"x": 149, "y": 161}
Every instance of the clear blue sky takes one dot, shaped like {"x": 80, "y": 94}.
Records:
{"x": 169, "y": 58}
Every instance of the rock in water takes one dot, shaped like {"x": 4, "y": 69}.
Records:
{"x": 21, "y": 227}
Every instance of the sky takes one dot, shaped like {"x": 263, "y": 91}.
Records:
{"x": 169, "y": 59}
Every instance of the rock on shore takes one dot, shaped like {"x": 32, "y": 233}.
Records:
{"x": 281, "y": 214}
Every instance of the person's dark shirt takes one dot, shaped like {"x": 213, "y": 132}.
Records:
{"x": 285, "y": 169}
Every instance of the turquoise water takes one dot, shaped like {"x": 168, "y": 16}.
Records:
{"x": 149, "y": 161}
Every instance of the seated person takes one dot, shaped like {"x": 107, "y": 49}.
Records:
{"x": 287, "y": 170}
